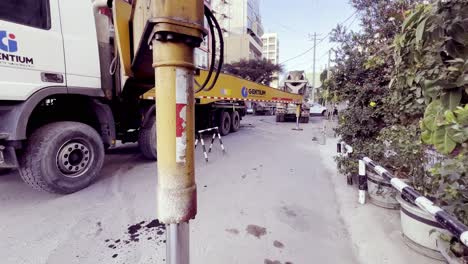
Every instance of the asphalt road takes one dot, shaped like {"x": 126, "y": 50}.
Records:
{"x": 269, "y": 199}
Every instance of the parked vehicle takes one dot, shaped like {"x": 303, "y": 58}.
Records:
{"x": 263, "y": 108}
{"x": 317, "y": 109}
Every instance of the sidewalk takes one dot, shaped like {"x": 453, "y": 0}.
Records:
{"x": 375, "y": 232}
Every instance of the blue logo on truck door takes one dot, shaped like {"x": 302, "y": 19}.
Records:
{"x": 9, "y": 47}
{"x": 245, "y": 93}
{"x": 8, "y": 42}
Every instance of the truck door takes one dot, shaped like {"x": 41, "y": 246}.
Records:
{"x": 31, "y": 47}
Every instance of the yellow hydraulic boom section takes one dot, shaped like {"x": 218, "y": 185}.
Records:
{"x": 228, "y": 87}
{"x": 232, "y": 88}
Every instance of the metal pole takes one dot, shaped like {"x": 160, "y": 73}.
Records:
{"x": 328, "y": 77}
{"x": 298, "y": 114}
{"x": 177, "y": 31}
{"x": 178, "y": 240}
{"x": 362, "y": 182}
{"x": 313, "y": 67}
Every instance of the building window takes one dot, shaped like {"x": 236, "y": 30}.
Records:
{"x": 33, "y": 13}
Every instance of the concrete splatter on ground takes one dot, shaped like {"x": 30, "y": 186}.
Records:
{"x": 278, "y": 244}
{"x": 99, "y": 230}
{"x": 232, "y": 231}
{"x": 267, "y": 261}
{"x": 289, "y": 212}
{"x": 153, "y": 231}
{"x": 256, "y": 231}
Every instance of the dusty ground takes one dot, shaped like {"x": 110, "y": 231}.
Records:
{"x": 275, "y": 197}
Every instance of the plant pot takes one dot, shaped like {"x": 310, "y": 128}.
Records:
{"x": 420, "y": 230}
{"x": 381, "y": 192}
{"x": 444, "y": 249}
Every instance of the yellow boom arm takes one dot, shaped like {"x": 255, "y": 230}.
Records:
{"x": 229, "y": 87}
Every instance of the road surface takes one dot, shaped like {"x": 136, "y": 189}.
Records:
{"x": 272, "y": 198}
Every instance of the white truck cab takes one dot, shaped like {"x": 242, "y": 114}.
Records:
{"x": 55, "y": 114}
{"x": 47, "y": 44}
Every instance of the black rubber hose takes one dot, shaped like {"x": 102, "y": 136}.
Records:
{"x": 213, "y": 53}
{"x": 221, "y": 48}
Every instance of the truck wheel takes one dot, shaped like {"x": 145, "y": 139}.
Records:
{"x": 235, "y": 118}
{"x": 279, "y": 118}
{"x": 225, "y": 123}
{"x": 147, "y": 141}
{"x": 62, "y": 157}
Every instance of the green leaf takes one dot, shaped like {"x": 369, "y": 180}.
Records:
{"x": 457, "y": 134}
{"x": 428, "y": 84}
{"x": 426, "y": 137}
{"x": 411, "y": 18}
{"x": 452, "y": 99}
{"x": 442, "y": 141}
{"x": 431, "y": 113}
{"x": 420, "y": 30}
{"x": 450, "y": 117}
{"x": 410, "y": 80}
{"x": 462, "y": 115}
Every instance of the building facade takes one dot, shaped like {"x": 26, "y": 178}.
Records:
{"x": 271, "y": 47}
{"x": 241, "y": 23}
{"x": 271, "y": 53}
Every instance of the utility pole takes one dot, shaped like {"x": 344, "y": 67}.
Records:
{"x": 313, "y": 67}
{"x": 328, "y": 76}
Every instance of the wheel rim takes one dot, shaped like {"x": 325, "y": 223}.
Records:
{"x": 236, "y": 121}
{"x": 226, "y": 124}
{"x": 74, "y": 158}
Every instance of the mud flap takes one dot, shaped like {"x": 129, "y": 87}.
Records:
{"x": 8, "y": 159}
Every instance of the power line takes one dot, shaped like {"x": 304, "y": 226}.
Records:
{"x": 328, "y": 34}
{"x": 334, "y": 46}
{"x": 305, "y": 52}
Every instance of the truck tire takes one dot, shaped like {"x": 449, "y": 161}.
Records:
{"x": 279, "y": 118}
{"x": 235, "y": 119}
{"x": 62, "y": 157}
{"x": 225, "y": 123}
{"x": 147, "y": 141}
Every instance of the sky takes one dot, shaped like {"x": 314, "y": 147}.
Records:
{"x": 295, "y": 21}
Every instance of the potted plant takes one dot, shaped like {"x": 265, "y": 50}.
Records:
{"x": 450, "y": 176}
{"x": 399, "y": 150}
